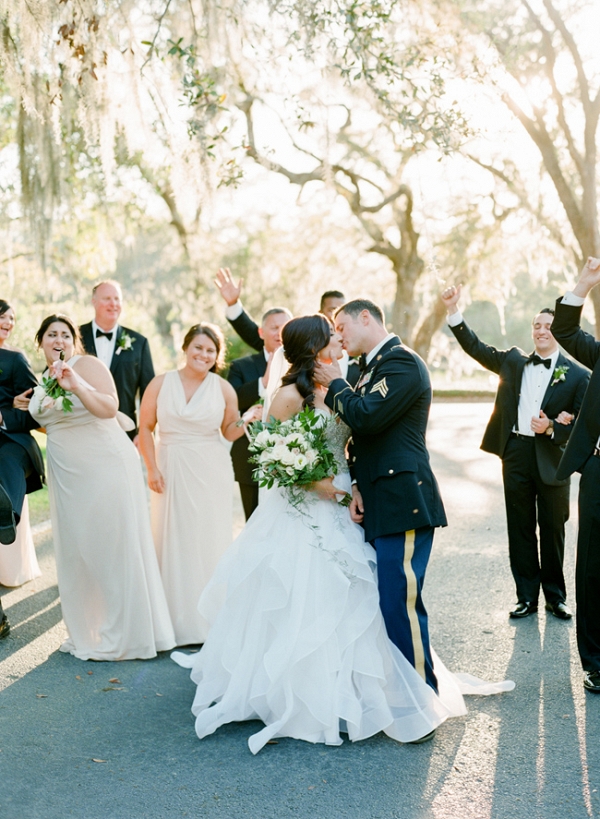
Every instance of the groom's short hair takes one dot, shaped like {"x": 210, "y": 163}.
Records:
{"x": 356, "y": 306}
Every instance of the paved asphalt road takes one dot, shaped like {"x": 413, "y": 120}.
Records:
{"x": 101, "y": 740}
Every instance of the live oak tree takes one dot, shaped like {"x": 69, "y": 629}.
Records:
{"x": 538, "y": 58}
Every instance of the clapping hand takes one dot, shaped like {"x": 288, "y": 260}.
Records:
{"x": 227, "y": 287}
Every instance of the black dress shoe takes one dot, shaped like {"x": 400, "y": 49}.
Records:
{"x": 523, "y": 610}
{"x": 4, "y": 627}
{"x": 591, "y": 681}
{"x": 560, "y": 610}
{"x": 8, "y": 527}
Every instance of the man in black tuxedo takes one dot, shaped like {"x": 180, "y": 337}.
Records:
{"x": 583, "y": 455}
{"x": 21, "y": 463}
{"x": 125, "y": 352}
{"x": 537, "y": 397}
{"x": 394, "y": 494}
{"x": 249, "y": 377}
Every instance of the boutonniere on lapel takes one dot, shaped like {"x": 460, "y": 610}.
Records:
{"x": 559, "y": 374}
{"x": 124, "y": 343}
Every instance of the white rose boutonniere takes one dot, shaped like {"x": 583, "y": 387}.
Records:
{"x": 559, "y": 374}
{"x": 124, "y": 343}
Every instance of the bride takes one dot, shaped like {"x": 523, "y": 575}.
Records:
{"x": 297, "y": 637}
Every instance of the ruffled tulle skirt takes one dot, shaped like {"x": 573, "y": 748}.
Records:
{"x": 298, "y": 640}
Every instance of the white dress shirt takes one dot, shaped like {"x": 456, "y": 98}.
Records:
{"x": 534, "y": 384}
{"x": 536, "y": 378}
{"x": 104, "y": 348}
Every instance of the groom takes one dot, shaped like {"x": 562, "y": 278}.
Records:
{"x": 394, "y": 494}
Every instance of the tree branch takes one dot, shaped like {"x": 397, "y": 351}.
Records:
{"x": 550, "y": 54}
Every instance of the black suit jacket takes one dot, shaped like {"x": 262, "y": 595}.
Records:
{"x": 243, "y": 377}
{"x": 247, "y": 330}
{"x": 388, "y": 417}
{"x": 16, "y": 376}
{"x": 565, "y": 395}
{"x": 132, "y": 370}
{"x": 584, "y": 347}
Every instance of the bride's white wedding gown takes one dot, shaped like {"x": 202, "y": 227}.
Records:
{"x": 297, "y": 638}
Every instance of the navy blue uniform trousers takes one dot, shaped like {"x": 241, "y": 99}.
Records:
{"x": 401, "y": 564}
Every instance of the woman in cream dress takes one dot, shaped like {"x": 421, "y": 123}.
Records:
{"x": 190, "y": 473}
{"x": 111, "y": 594}
{"x": 18, "y": 561}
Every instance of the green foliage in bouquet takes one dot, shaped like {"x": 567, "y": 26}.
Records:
{"x": 292, "y": 453}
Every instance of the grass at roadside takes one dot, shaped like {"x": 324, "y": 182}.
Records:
{"x": 39, "y": 505}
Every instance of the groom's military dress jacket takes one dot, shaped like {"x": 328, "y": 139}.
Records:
{"x": 387, "y": 413}
{"x": 16, "y": 376}
{"x": 131, "y": 369}
{"x": 560, "y": 395}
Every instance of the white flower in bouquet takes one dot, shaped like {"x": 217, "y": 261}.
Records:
{"x": 279, "y": 452}
{"x": 47, "y": 402}
{"x": 293, "y": 454}
{"x": 295, "y": 439}
{"x": 287, "y": 457}
{"x": 263, "y": 438}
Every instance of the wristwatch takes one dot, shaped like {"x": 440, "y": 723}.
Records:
{"x": 550, "y": 428}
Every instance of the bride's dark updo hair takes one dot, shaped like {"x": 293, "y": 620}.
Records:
{"x": 303, "y": 338}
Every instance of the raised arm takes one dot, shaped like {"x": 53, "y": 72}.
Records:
{"x": 488, "y": 356}
{"x": 242, "y": 323}
{"x": 566, "y": 326}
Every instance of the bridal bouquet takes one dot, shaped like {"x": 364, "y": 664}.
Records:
{"x": 50, "y": 395}
{"x": 292, "y": 453}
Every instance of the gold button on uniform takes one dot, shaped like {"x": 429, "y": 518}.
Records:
{"x": 391, "y": 471}
{"x": 415, "y": 511}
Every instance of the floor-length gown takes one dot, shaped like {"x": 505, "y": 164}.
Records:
{"x": 192, "y": 519}
{"x": 110, "y": 589}
{"x": 18, "y": 560}
{"x": 297, "y": 638}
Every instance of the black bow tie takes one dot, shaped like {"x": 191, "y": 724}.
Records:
{"x": 362, "y": 362}
{"x": 100, "y": 332}
{"x": 535, "y": 359}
